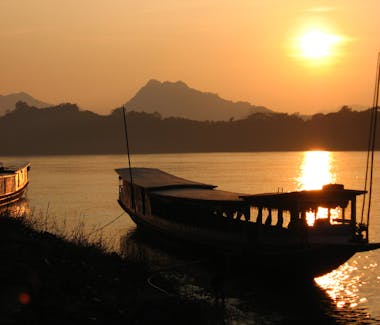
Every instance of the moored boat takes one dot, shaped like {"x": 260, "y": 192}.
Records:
{"x": 301, "y": 233}
{"x": 13, "y": 181}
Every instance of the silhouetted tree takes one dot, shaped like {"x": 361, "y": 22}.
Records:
{"x": 66, "y": 129}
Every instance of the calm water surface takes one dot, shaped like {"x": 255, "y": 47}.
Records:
{"x": 85, "y": 188}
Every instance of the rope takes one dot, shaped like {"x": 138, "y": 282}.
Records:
{"x": 375, "y": 108}
{"x": 149, "y": 280}
{"x": 156, "y": 287}
{"x": 106, "y": 225}
{"x": 371, "y": 144}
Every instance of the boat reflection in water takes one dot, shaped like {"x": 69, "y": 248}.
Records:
{"x": 353, "y": 286}
{"x": 18, "y": 209}
{"x": 248, "y": 300}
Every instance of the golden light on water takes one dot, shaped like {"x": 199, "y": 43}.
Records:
{"x": 343, "y": 284}
{"x": 315, "y": 170}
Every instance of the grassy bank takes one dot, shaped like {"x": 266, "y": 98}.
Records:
{"x": 46, "y": 279}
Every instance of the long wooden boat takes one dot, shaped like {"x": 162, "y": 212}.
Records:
{"x": 302, "y": 233}
{"x": 13, "y": 181}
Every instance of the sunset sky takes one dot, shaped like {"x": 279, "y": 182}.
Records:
{"x": 290, "y": 56}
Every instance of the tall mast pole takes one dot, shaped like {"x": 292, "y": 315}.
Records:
{"x": 372, "y": 141}
{"x": 128, "y": 154}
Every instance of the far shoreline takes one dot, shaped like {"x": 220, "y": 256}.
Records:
{"x": 173, "y": 153}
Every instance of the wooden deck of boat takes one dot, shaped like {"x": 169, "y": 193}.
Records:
{"x": 11, "y": 167}
{"x": 156, "y": 179}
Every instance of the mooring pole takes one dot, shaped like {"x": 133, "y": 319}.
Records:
{"x": 129, "y": 158}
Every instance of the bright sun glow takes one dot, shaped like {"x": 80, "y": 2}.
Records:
{"x": 316, "y": 44}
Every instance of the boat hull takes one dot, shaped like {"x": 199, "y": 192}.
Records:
{"x": 13, "y": 197}
{"x": 244, "y": 256}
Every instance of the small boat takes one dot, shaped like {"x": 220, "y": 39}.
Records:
{"x": 13, "y": 181}
{"x": 302, "y": 233}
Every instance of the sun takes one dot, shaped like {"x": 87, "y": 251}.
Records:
{"x": 317, "y": 44}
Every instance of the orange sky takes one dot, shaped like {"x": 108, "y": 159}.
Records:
{"x": 98, "y": 53}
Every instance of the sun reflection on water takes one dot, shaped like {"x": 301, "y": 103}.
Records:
{"x": 343, "y": 284}
{"x": 315, "y": 170}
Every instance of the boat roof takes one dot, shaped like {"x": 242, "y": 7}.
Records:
{"x": 201, "y": 194}
{"x": 11, "y": 167}
{"x": 331, "y": 195}
{"x": 156, "y": 179}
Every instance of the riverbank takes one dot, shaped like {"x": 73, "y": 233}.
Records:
{"x": 48, "y": 280}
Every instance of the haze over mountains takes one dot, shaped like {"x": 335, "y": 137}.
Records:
{"x": 8, "y": 102}
{"x": 176, "y": 99}
{"x": 169, "y": 99}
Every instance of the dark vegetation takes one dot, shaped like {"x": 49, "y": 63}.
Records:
{"x": 45, "y": 279}
{"x": 65, "y": 129}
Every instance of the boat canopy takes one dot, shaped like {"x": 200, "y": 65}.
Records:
{"x": 156, "y": 179}
{"x": 199, "y": 194}
{"x": 330, "y": 196}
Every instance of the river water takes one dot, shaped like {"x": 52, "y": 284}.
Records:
{"x": 72, "y": 189}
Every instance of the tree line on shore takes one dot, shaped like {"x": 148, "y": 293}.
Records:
{"x": 66, "y": 129}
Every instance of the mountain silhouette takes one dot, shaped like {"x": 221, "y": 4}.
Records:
{"x": 66, "y": 129}
{"x": 8, "y": 102}
{"x": 176, "y": 99}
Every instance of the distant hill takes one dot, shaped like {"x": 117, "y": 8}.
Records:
{"x": 66, "y": 129}
{"x": 62, "y": 129}
{"x": 176, "y": 99}
{"x": 8, "y": 102}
